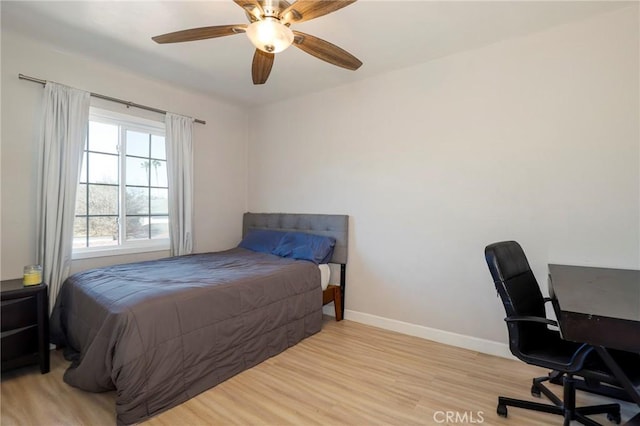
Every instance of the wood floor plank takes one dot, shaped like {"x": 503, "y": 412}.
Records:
{"x": 348, "y": 374}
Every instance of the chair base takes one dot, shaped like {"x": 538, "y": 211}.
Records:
{"x": 565, "y": 408}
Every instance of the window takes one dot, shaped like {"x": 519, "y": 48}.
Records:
{"x": 122, "y": 199}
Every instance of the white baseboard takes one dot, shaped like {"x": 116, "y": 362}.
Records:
{"x": 441, "y": 336}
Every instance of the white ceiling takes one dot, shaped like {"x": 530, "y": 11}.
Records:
{"x": 384, "y": 35}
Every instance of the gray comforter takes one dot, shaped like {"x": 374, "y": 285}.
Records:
{"x": 161, "y": 332}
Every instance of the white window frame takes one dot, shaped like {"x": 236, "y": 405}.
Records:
{"x": 128, "y": 122}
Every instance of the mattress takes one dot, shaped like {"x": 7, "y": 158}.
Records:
{"x": 325, "y": 275}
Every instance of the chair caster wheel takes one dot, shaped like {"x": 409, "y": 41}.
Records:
{"x": 502, "y": 410}
{"x": 614, "y": 418}
{"x": 535, "y": 391}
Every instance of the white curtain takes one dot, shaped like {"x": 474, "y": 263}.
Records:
{"x": 65, "y": 116}
{"x": 179, "y": 143}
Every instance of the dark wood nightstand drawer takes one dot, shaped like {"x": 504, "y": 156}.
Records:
{"x": 16, "y": 343}
{"x": 18, "y": 313}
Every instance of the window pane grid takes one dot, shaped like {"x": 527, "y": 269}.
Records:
{"x": 141, "y": 186}
{"x": 122, "y": 191}
{"x": 144, "y": 158}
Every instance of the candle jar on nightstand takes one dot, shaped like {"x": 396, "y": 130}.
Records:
{"x": 32, "y": 275}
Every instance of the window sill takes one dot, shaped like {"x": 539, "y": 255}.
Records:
{"x": 89, "y": 253}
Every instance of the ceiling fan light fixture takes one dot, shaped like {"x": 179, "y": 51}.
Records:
{"x": 270, "y": 35}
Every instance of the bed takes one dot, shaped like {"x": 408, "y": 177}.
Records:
{"x": 162, "y": 331}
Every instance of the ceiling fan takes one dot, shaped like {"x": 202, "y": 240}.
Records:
{"x": 269, "y": 32}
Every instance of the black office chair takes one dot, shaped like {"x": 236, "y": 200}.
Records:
{"x": 531, "y": 341}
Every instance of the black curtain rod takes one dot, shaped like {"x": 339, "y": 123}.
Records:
{"x": 108, "y": 98}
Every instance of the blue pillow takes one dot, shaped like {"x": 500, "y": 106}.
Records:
{"x": 298, "y": 245}
{"x": 261, "y": 240}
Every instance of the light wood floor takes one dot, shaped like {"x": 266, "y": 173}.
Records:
{"x": 348, "y": 374}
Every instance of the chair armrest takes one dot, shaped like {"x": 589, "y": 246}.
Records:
{"x": 574, "y": 362}
{"x": 527, "y": 318}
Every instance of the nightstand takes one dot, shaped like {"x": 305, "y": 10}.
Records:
{"x": 25, "y": 325}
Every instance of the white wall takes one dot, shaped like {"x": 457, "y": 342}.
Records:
{"x": 534, "y": 139}
{"x": 220, "y": 147}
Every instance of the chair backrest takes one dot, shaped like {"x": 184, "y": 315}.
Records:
{"x": 519, "y": 291}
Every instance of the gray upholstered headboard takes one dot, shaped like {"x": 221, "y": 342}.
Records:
{"x": 330, "y": 225}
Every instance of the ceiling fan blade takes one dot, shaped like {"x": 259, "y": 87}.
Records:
{"x": 252, "y": 8}
{"x": 304, "y": 10}
{"x": 200, "y": 33}
{"x": 261, "y": 67}
{"x": 326, "y": 51}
